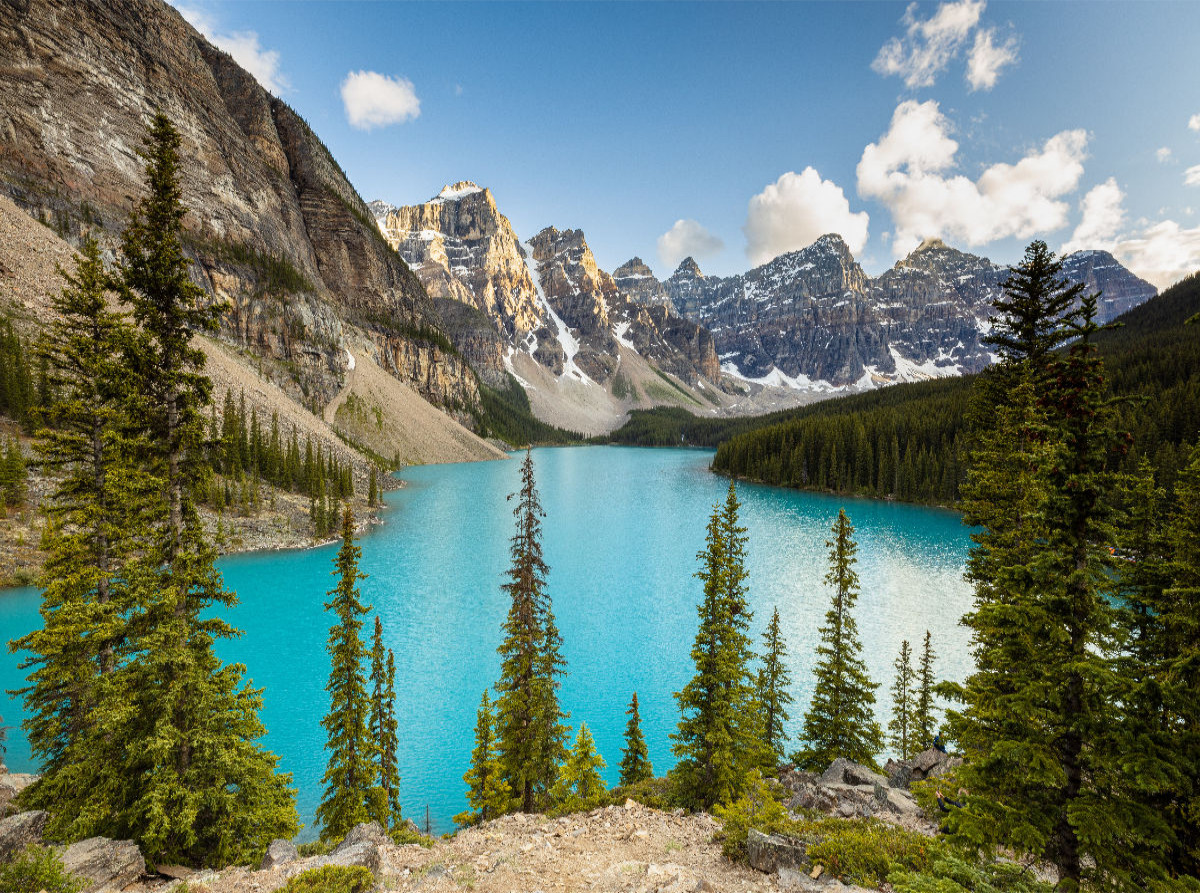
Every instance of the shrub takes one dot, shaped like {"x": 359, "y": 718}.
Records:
{"x": 758, "y": 808}
{"x": 331, "y": 879}
{"x": 866, "y": 850}
{"x": 405, "y": 833}
{"x": 37, "y": 869}
{"x": 957, "y": 873}
{"x": 657, "y": 793}
{"x": 315, "y": 848}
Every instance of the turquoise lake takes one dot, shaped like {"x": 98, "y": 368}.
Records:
{"x": 622, "y": 529}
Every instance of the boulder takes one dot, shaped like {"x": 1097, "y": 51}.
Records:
{"x": 360, "y": 848}
{"x": 770, "y": 853}
{"x": 11, "y": 784}
{"x": 895, "y": 801}
{"x": 20, "y": 830}
{"x": 900, "y": 777}
{"x": 105, "y": 864}
{"x": 366, "y": 832}
{"x": 843, "y": 771}
{"x": 926, "y": 760}
{"x": 280, "y": 852}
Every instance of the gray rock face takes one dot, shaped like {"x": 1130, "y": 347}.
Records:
{"x": 105, "y": 864}
{"x": 20, "y": 830}
{"x": 280, "y": 852}
{"x": 813, "y": 314}
{"x": 843, "y": 771}
{"x": 638, "y": 281}
{"x": 11, "y": 784}
{"x": 360, "y": 847}
{"x": 770, "y": 853}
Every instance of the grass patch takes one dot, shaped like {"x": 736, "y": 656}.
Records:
{"x": 331, "y": 879}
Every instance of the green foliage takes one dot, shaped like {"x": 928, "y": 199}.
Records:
{"x": 924, "y": 708}
{"x": 657, "y": 793}
{"x": 950, "y": 872}
{"x": 18, "y": 392}
{"x": 530, "y": 729}
{"x": 331, "y": 879}
{"x": 579, "y": 785}
{"x": 758, "y": 807}
{"x": 405, "y": 833}
{"x": 383, "y": 728}
{"x": 865, "y": 851}
{"x": 719, "y": 737}
{"x": 275, "y": 273}
{"x": 352, "y": 792}
{"x": 505, "y": 413}
{"x": 840, "y": 721}
{"x": 771, "y": 689}
{"x": 487, "y": 791}
{"x": 901, "y": 725}
{"x": 635, "y": 758}
{"x": 37, "y": 870}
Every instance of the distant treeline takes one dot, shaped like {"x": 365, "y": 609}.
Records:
{"x": 505, "y": 413}
{"x": 905, "y": 442}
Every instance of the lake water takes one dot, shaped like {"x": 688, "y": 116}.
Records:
{"x": 622, "y": 529}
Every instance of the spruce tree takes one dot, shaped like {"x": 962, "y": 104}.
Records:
{"x": 840, "y": 721}
{"x": 529, "y": 721}
{"x": 579, "y": 785}
{"x": 773, "y": 684}
{"x": 487, "y": 791}
{"x": 924, "y": 710}
{"x": 385, "y": 805}
{"x": 351, "y": 780}
{"x": 86, "y": 443}
{"x": 635, "y": 758}
{"x": 719, "y": 738}
{"x": 902, "y": 726}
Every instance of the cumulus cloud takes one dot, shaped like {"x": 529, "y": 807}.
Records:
{"x": 928, "y": 45}
{"x": 376, "y": 100}
{"x": 1103, "y": 215}
{"x": 1163, "y": 155}
{"x": 1161, "y": 253}
{"x": 1191, "y": 177}
{"x": 987, "y": 58}
{"x": 910, "y": 171}
{"x": 243, "y": 46}
{"x": 1194, "y": 122}
{"x": 687, "y": 238}
{"x": 795, "y": 211}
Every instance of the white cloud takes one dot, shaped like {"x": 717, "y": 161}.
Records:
{"x": 1191, "y": 177}
{"x": 1163, "y": 155}
{"x": 795, "y": 211}
{"x": 376, "y": 100}
{"x": 909, "y": 171}
{"x": 986, "y": 59}
{"x": 1102, "y": 219}
{"x": 243, "y": 46}
{"x": 1161, "y": 253}
{"x": 928, "y": 46}
{"x": 687, "y": 238}
{"x": 1194, "y": 122}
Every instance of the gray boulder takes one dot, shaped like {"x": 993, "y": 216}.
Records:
{"x": 770, "y": 853}
{"x": 20, "y": 830}
{"x": 280, "y": 852}
{"x": 105, "y": 864}
{"x": 360, "y": 848}
{"x": 11, "y": 784}
{"x": 843, "y": 771}
{"x": 926, "y": 760}
{"x": 895, "y": 801}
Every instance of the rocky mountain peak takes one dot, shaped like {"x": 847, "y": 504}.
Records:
{"x": 634, "y": 268}
{"x": 460, "y": 190}
{"x": 638, "y": 281}
{"x": 688, "y": 268}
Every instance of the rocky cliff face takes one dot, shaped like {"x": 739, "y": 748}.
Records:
{"x": 546, "y": 298}
{"x": 638, "y": 281}
{"x": 813, "y": 319}
{"x": 276, "y": 229}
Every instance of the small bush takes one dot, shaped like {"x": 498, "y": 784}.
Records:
{"x": 37, "y": 869}
{"x": 656, "y": 793}
{"x": 315, "y": 848}
{"x": 758, "y": 808}
{"x": 331, "y": 879}
{"x": 865, "y": 850}
{"x": 404, "y": 834}
{"x": 956, "y": 873}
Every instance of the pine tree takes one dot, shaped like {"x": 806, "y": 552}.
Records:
{"x": 384, "y": 806}
{"x": 719, "y": 737}
{"x": 774, "y": 680}
{"x": 579, "y": 785}
{"x": 840, "y": 721}
{"x": 85, "y": 442}
{"x": 529, "y": 721}
{"x": 373, "y": 490}
{"x": 924, "y": 710}
{"x": 635, "y": 758}
{"x": 487, "y": 791}
{"x": 351, "y": 778}
{"x": 903, "y": 722}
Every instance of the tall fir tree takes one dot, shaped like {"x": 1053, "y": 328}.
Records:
{"x": 924, "y": 711}
{"x": 720, "y": 738}
{"x": 579, "y": 785}
{"x": 635, "y": 757}
{"x": 385, "y": 806}
{"x": 773, "y": 686}
{"x": 530, "y": 731}
{"x": 840, "y": 721}
{"x": 86, "y": 441}
{"x": 177, "y": 764}
{"x": 352, "y": 793}
{"x": 902, "y": 726}
{"x": 487, "y": 791}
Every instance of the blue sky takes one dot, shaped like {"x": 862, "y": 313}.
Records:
{"x": 737, "y": 131}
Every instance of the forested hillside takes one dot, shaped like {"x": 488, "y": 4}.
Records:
{"x": 905, "y": 442}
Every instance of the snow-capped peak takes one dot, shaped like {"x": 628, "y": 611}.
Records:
{"x": 454, "y": 191}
